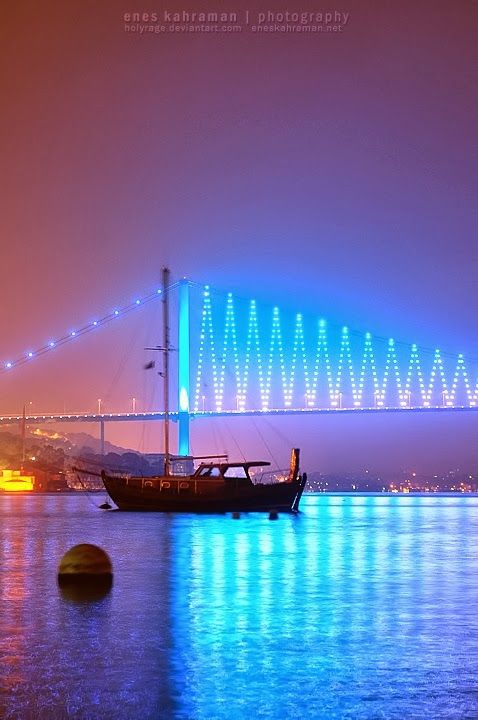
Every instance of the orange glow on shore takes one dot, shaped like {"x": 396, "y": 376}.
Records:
{"x": 50, "y": 435}
{"x": 14, "y": 481}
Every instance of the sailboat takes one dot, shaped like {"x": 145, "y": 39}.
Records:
{"x": 215, "y": 487}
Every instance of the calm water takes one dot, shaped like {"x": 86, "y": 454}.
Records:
{"x": 361, "y": 607}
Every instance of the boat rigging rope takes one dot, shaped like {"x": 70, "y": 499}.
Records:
{"x": 149, "y": 389}
{"x": 235, "y": 441}
{"x": 279, "y": 434}
{"x": 265, "y": 442}
{"x": 87, "y": 490}
{"x": 217, "y": 439}
{"x": 121, "y": 365}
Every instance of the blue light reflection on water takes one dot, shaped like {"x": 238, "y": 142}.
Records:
{"x": 360, "y": 607}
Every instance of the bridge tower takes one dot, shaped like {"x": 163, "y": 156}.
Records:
{"x": 183, "y": 369}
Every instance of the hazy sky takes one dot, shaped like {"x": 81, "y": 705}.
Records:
{"x": 334, "y": 173}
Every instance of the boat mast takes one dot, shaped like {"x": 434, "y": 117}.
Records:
{"x": 167, "y": 462}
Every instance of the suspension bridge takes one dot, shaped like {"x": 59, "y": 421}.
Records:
{"x": 238, "y": 357}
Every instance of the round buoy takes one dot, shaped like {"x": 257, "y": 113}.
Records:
{"x": 273, "y": 515}
{"x": 85, "y": 573}
{"x": 236, "y": 515}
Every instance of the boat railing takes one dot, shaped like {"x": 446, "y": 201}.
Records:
{"x": 270, "y": 477}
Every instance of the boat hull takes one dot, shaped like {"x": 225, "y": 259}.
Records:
{"x": 187, "y": 494}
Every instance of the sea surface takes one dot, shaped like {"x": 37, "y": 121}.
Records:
{"x": 360, "y": 607}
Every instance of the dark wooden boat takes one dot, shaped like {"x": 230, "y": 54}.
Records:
{"x": 213, "y": 487}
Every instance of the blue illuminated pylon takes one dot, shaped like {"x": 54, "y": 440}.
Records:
{"x": 183, "y": 369}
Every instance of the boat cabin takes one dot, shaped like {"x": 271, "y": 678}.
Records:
{"x": 227, "y": 471}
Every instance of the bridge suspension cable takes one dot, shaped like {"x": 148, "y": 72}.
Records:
{"x": 28, "y": 356}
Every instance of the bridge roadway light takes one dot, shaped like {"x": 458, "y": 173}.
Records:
{"x": 378, "y": 399}
{"x": 309, "y": 400}
{"x": 407, "y": 402}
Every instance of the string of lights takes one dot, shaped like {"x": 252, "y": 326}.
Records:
{"x": 401, "y": 383}
{"x": 30, "y": 355}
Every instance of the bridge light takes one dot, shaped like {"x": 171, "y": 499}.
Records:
{"x": 51, "y": 344}
{"x": 138, "y": 302}
{"x": 29, "y": 354}
{"x": 116, "y": 312}
{"x": 73, "y": 334}
{"x": 8, "y": 365}
{"x": 95, "y": 322}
